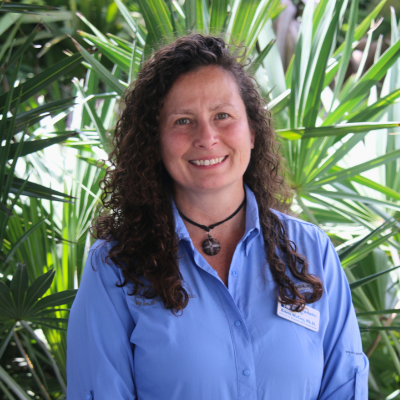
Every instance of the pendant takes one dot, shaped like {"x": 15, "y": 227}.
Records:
{"x": 211, "y": 246}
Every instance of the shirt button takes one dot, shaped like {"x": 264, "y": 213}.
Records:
{"x": 246, "y": 372}
{"x": 238, "y": 323}
{"x": 234, "y": 273}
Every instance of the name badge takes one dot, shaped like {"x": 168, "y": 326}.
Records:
{"x": 309, "y": 317}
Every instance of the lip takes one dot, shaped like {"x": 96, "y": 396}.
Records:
{"x": 208, "y": 166}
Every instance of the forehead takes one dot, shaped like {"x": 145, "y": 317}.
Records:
{"x": 209, "y": 84}
{"x": 209, "y": 73}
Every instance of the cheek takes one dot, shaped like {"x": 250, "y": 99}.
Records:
{"x": 243, "y": 139}
{"x": 172, "y": 148}
{"x": 163, "y": 147}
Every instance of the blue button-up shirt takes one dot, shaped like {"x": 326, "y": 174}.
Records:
{"x": 229, "y": 343}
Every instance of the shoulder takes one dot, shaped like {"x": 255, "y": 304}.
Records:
{"x": 102, "y": 247}
{"x": 98, "y": 263}
{"x": 99, "y": 299}
{"x": 287, "y": 219}
{"x": 297, "y": 228}
{"x": 100, "y": 250}
{"x": 311, "y": 242}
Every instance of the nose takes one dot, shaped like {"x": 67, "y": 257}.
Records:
{"x": 206, "y": 135}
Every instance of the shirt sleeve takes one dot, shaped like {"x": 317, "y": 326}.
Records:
{"x": 345, "y": 365}
{"x": 99, "y": 352}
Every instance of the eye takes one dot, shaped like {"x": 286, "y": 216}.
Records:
{"x": 182, "y": 121}
{"x": 222, "y": 115}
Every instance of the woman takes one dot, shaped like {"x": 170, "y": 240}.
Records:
{"x": 199, "y": 288}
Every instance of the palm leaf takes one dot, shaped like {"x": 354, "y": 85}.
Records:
{"x": 370, "y": 278}
{"x": 42, "y": 80}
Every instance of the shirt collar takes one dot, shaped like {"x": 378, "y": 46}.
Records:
{"x": 252, "y": 221}
{"x": 180, "y": 227}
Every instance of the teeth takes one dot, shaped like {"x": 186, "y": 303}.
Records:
{"x": 208, "y": 162}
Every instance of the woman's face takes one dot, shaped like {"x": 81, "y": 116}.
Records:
{"x": 205, "y": 136}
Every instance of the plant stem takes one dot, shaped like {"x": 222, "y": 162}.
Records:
{"x": 369, "y": 307}
{"x": 6, "y": 391}
{"x": 19, "y": 392}
{"x": 30, "y": 366}
{"x": 306, "y": 210}
{"x": 6, "y": 340}
{"x": 48, "y": 354}
{"x": 379, "y": 336}
{"x": 395, "y": 341}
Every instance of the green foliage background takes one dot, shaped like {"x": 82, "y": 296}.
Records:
{"x": 62, "y": 74}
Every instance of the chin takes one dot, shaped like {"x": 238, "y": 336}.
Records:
{"x": 213, "y": 184}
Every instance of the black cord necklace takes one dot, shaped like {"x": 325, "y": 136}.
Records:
{"x": 212, "y": 246}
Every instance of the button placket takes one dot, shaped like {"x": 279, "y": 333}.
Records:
{"x": 244, "y": 355}
{"x": 201, "y": 262}
{"x": 245, "y": 361}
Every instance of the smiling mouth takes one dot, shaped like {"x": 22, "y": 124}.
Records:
{"x": 211, "y": 161}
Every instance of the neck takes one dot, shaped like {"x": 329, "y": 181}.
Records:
{"x": 210, "y": 206}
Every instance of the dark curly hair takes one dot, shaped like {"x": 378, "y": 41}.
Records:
{"x": 136, "y": 200}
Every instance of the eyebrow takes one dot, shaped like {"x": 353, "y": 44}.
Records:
{"x": 183, "y": 111}
{"x": 189, "y": 111}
